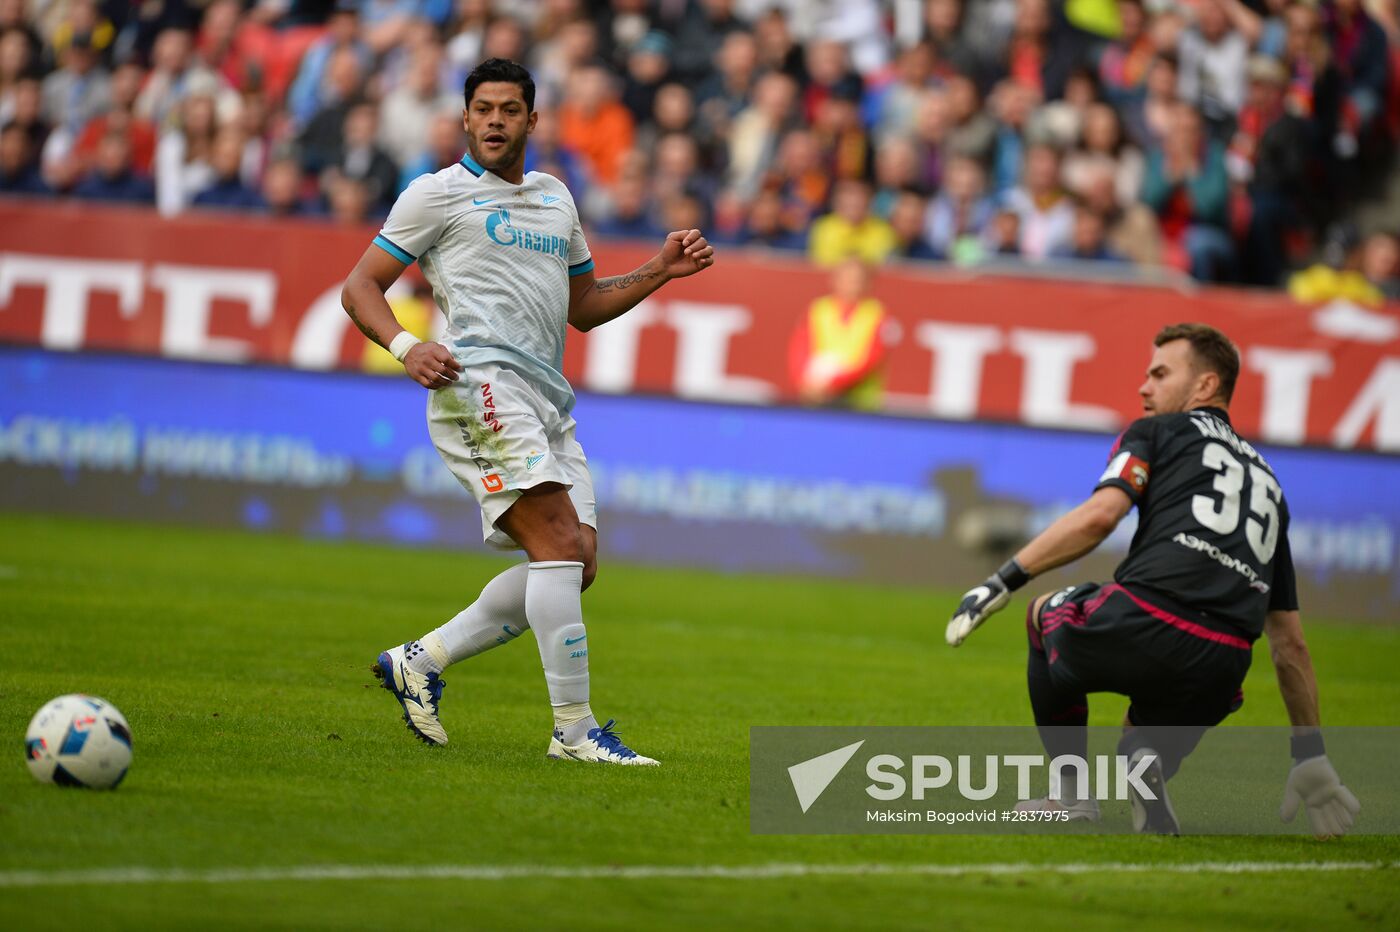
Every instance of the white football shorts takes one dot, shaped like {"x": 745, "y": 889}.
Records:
{"x": 499, "y": 437}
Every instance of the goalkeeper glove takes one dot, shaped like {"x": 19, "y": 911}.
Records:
{"x": 1313, "y": 782}
{"x": 981, "y": 602}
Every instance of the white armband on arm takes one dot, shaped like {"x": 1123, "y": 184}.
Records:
{"x": 402, "y": 343}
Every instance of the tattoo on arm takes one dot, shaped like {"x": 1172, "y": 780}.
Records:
{"x": 365, "y": 328}
{"x": 620, "y": 282}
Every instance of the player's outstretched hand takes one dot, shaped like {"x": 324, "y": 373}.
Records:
{"x": 431, "y": 365}
{"x": 1331, "y": 806}
{"x": 686, "y": 252}
{"x": 978, "y": 604}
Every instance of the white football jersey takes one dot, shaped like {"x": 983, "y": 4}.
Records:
{"x": 499, "y": 257}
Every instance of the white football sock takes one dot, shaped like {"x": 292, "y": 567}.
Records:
{"x": 553, "y": 605}
{"x": 495, "y": 618}
{"x": 417, "y": 657}
{"x": 573, "y": 722}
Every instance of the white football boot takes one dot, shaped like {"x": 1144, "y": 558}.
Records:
{"x": 418, "y": 694}
{"x": 601, "y": 746}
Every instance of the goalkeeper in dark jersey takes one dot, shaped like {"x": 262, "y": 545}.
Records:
{"x": 1209, "y": 570}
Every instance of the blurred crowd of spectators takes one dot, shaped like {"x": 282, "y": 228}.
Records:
{"x": 1226, "y": 138}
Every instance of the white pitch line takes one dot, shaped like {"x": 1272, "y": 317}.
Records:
{"x": 122, "y": 876}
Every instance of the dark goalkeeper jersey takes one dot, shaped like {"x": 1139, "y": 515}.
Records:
{"x": 1212, "y": 537}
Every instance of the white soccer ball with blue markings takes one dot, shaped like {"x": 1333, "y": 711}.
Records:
{"x": 78, "y": 740}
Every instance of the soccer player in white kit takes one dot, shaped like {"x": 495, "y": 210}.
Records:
{"x": 508, "y": 264}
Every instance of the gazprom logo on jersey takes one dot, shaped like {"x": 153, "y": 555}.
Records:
{"x": 504, "y": 233}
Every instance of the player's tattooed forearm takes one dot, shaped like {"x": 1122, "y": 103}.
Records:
{"x": 620, "y": 282}
{"x": 365, "y": 328}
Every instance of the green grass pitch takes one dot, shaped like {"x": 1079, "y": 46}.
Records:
{"x": 242, "y": 663}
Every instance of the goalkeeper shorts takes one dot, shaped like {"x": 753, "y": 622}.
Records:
{"x": 1105, "y": 638}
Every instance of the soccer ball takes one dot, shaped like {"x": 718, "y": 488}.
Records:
{"x": 78, "y": 740}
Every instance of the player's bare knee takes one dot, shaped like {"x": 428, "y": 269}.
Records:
{"x": 564, "y": 541}
{"x": 590, "y": 554}
{"x": 544, "y": 522}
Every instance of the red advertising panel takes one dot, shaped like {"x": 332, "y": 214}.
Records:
{"x": 1048, "y": 353}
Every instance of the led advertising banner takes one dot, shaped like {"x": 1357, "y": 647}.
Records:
{"x": 736, "y": 488}
{"x": 1042, "y": 353}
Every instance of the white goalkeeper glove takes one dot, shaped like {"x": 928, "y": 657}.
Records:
{"x": 1313, "y": 782}
{"x": 981, "y": 602}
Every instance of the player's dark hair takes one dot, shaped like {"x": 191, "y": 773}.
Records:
{"x": 503, "y": 70}
{"x": 1212, "y": 348}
